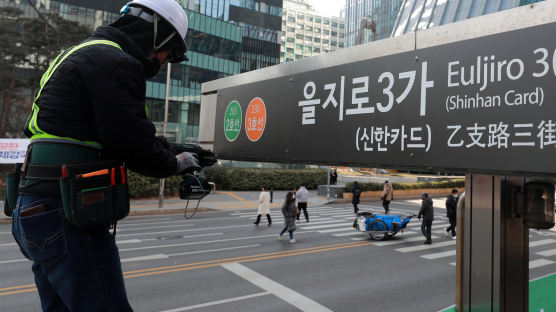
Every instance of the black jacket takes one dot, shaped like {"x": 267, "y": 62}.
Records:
{"x": 451, "y": 206}
{"x": 356, "y": 191}
{"x": 427, "y": 212}
{"x": 98, "y": 94}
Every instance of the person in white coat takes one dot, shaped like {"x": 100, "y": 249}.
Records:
{"x": 264, "y": 206}
{"x": 302, "y": 197}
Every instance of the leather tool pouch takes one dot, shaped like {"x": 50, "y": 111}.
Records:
{"x": 94, "y": 194}
{"x": 12, "y": 190}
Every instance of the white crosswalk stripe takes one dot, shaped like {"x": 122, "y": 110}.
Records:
{"x": 425, "y": 247}
{"x": 338, "y": 222}
{"x": 437, "y": 255}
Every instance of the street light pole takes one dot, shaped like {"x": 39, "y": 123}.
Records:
{"x": 164, "y": 127}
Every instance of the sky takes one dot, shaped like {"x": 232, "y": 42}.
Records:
{"x": 328, "y": 7}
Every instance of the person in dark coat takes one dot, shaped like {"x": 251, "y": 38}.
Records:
{"x": 333, "y": 177}
{"x": 290, "y": 214}
{"x": 427, "y": 212}
{"x": 356, "y": 191}
{"x": 451, "y": 213}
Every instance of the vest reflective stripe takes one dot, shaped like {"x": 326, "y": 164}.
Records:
{"x": 32, "y": 123}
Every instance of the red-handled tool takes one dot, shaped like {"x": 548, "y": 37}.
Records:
{"x": 113, "y": 176}
{"x": 122, "y": 173}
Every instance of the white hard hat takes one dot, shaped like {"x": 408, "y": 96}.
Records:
{"x": 169, "y": 10}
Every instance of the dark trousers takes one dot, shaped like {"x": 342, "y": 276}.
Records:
{"x": 426, "y": 229}
{"x": 355, "y": 209}
{"x": 303, "y": 206}
{"x": 75, "y": 269}
{"x": 267, "y": 217}
{"x": 452, "y": 226}
{"x": 386, "y": 204}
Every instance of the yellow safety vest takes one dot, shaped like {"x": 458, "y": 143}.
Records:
{"x": 32, "y": 120}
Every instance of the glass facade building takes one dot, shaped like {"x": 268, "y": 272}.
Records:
{"x": 383, "y": 12}
{"x": 422, "y": 14}
{"x": 215, "y": 51}
{"x": 306, "y": 33}
{"x": 260, "y": 21}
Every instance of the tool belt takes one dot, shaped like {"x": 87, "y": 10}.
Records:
{"x": 94, "y": 191}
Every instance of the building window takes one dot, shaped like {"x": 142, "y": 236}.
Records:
{"x": 291, "y": 19}
{"x": 334, "y": 34}
{"x": 326, "y": 22}
{"x": 299, "y": 36}
{"x": 318, "y": 20}
{"x": 334, "y": 24}
{"x": 310, "y": 18}
{"x": 290, "y": 29}
{"x": 290, "y": 39}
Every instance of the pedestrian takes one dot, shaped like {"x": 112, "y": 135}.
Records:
{"x": 302, "y": 197}
{"x": 92, "y": 110}
{"x": 427, "y": 213}
{"x": 451, "y": 213}
{"x": 333, "y": 176}
{"x": 264, "y": 206}
{"x": 387, "y": 196}
{"x": 356, "y": 194}
{"x": 289, "y": 212}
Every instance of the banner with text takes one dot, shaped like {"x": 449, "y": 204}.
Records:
{"x": 13, "y": 150}
{"x": 480, "y": 105}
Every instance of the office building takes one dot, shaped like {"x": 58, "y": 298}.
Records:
{"x": 383, "y": 13}
{"x": 422, "y": 14}
{"x": 306, "y": 33}
{"x": 260, "y": 21}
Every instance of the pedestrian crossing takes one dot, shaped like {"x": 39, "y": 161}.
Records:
{"x": 338, "y": 222}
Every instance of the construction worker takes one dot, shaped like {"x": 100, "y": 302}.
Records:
{"x": 91, "y": 108}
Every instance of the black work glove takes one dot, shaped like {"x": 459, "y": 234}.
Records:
{"x": 205, "y": 157}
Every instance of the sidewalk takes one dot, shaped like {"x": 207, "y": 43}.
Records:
{"x": 221, "y": 200}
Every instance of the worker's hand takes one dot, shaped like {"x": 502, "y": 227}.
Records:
{"x": 187, "y": 162}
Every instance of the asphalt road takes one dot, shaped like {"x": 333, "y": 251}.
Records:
{"x": 220, "y": 261}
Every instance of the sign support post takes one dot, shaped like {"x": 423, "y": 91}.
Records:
{"x": 493, "y": 247}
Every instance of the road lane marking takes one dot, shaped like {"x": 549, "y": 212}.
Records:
{"x": 547, "y": 253}
{"x": 401, "y": 241}
{"x": 325, "y": 226}
{"x": 210, "y": 263}
{"x": 539, "y": 263}
{"x": 350, "y": 234}
{"x": 13, "y": 261}
{"x": 288, "y": 295}
{"x": 259, "y": 257}
{"x": 8, "y": 244}
{"x": 212, "y": 250}
{"x": 188, "y": 230}
{"x": 542, "y": 242}
{"x": 213, "y": 303}
{"x": 143, "y": 258}
{"x": 126, "y": 229}
{"x": 338, "y": 230}
{"x": 128, "y": 241}
{"x": 231, "y": 194}
{"x": 17, "y": 289}
{"x": 425, "y": 247}
{"x": 205, "y": 242}
{"x": 440, "y": 255}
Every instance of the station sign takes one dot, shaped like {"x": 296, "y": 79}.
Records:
{"x": 480, "y": 105}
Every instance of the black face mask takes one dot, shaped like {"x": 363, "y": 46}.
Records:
{"x": 152, "y": 67}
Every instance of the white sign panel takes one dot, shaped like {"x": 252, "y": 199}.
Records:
{"x": 13, "y": 150}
